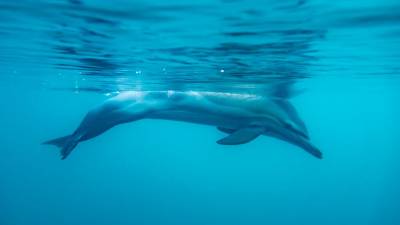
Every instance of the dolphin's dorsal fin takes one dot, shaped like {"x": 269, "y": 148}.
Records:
{"x": 282, "y": 89}
{"x": 241, "y": 136}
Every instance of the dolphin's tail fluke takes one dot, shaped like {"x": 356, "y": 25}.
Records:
{"x": 67, "y": 144}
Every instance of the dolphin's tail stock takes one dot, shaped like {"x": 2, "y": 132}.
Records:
{"x": 66, "y": 144}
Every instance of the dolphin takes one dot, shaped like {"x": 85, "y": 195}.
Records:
{"x": 243, "y": 117}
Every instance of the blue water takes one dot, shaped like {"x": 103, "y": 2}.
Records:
{"x": 340, "y": 60}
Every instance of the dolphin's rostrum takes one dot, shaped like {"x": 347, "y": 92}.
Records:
{"x": 243, "y": 117}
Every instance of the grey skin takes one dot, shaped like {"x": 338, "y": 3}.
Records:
{"x": 243, "y": 117}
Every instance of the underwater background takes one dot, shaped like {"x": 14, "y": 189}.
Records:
{"x": 341, "y": 59}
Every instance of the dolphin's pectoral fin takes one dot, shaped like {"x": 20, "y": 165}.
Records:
{"x": 240, "y": 136}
